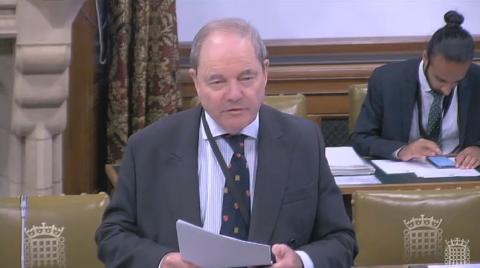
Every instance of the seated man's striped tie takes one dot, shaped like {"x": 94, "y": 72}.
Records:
{"x": 434, "y": 125}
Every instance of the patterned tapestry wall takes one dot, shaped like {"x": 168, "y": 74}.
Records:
{"x": 142, "y": 76}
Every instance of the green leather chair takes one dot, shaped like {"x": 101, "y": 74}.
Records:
{"x": 291, "y": 104}
{"x": 356, "y": 93}
{"x": 10, "y": 231}
{"x": 417, "y": 227}
{"x": 59, "y": 230}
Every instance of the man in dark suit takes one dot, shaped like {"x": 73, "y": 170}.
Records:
{"x": 171, "y": 171}
{"x": 419, "y": 108}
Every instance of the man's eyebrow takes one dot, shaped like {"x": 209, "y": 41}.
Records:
{"x": 248, "y": 72}
{"x": 214, "y": 76}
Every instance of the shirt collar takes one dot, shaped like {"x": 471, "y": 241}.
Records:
{"x": 424, "y": 86}
{"x": 251, "y": 130}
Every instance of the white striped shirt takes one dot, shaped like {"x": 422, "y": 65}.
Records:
{"x": 212, "y": 180}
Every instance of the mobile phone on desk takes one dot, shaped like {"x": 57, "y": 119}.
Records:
{"x": 441, "y": 161}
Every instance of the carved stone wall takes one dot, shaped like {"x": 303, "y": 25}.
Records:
{"x": 34, "y": 91}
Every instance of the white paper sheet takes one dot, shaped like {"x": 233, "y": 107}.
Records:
{"x": 345, "y": 161}
{"x": 343, "y": 156}
{"x": 357, "y": 180}
{"x": 422, "y": 169}
{"x": 207, "y": 249}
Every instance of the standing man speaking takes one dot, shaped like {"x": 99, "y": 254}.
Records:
{"x": 233, "y": 166}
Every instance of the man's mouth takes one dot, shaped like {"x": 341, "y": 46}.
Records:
{"x": 235, "y": 110}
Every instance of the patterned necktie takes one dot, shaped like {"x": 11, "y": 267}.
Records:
{"x": 233, "y": 224}
{"x": 434, "y": 124}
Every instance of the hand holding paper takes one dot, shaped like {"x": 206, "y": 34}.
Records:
{"x": 286, "y": 257}
{"x": 174, "y": 259}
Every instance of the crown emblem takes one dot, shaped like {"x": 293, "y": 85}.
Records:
{"x": 44, "y": 230}
{"x": 457, "y": 251}
{"x": 423, "y": 221}
{"x": 457, "y": 242}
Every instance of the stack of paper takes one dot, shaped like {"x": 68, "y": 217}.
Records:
{"x": 422, "y": 169}
{"x": 344, "y": 161}
{"x": 357, "y": 180}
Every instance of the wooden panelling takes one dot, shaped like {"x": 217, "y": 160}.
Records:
{"x": 325, "y": 86}
{"x": 346, "y": 45}
{"x": 327, "y": 104}
{"x": 355, "y": 48}
{"x": 298, "y": 47}
{"x": 312, "y": 79}
{"x": 80, "y": 138}
{"x": 323, "y": 69}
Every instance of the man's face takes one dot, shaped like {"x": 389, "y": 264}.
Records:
{"x": 229, "y": 80}
{"x": 443, "y": 75}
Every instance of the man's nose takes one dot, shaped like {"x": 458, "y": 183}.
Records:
{"x": 234, "y": 91}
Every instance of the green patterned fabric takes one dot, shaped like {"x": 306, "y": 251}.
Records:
{"x": 143, "y": 65}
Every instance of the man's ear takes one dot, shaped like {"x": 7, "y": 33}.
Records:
{"x": 266, "y": 64}
{"x": 425, "y": 57}
{"x": 193, "y": 74}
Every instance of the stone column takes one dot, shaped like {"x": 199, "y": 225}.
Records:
{"x": 38, "y": 100}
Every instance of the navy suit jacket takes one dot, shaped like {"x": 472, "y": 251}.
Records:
{"x": 296, "y": 199}
{"x": 384, "y": 122}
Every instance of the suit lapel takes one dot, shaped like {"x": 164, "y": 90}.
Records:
{"x": 184, "y": 192}
{"x": 271, "y": 177}
{"x": 407, "y": 97}
{"x": 463, "y": 101}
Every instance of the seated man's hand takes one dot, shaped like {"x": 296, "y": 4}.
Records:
{"x": 468, "y": 157}
{"x": 174, "y": 260}
{"x": 419, "y": 149}
{"x": 285, "y": 257}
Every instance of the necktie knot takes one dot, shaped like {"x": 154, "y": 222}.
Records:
{"x": 236, "y": 142}
{"x": 437, "y": 96}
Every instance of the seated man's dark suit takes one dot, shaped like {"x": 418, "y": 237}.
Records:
{"x": 296, "y": 199}
{"x": 384, "y": 122}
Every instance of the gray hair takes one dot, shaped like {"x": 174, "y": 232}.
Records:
{"x": 234, "y": 25}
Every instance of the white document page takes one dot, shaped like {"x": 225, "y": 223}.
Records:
{"x": 345, "y": 161}
{"x": 422, "y": 169}
{"x": 207, "y": 249}
{"x": 357, "y": 180}
{"x": 343, "y": 156}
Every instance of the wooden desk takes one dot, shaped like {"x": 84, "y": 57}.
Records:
{"x": 411, "y": 182}
{"x": 406, "y": 182}
{"x": 390, "y": 182}
{"x": 349, "y": 189}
